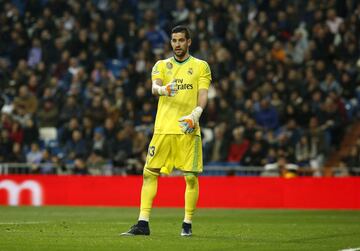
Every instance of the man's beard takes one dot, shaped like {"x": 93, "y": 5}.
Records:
{"x": 180, "y": 53}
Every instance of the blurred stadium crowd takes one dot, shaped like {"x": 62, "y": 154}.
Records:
{"x": 76, "y": 90}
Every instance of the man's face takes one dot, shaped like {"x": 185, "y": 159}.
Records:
{"x": 180, "y": 44}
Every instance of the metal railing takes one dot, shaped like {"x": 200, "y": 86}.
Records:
{"x": 345, "y": 171}
{"x": 219, "y": 169}
{"x": 28, "y": 168}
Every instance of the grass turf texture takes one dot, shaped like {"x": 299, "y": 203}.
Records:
{"x": 96, "y": 228}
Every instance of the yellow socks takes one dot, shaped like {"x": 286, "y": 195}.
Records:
{"x": 148, "y": 193}
{"x": 149, "y": 189}
{"x": 191, "y": 196}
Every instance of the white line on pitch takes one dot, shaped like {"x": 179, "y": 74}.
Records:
{"x": 45, "y": 222}
{"x": 23, "y": 223}
{"x": 85, "y": 222}
{"x": 350, "y": 249}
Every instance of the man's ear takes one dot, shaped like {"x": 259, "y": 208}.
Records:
{"x": 189, "y": 42}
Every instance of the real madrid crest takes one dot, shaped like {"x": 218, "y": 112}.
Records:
{"x": 169, "y": 65}
{"x": 190, "y": 71}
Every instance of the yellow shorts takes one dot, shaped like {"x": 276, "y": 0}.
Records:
{"x": 182, "y": 151}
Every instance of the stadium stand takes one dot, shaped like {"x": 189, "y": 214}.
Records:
{"x": 285, "y": 87}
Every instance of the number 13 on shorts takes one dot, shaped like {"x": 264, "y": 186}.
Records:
{"x": 181, "y": 151}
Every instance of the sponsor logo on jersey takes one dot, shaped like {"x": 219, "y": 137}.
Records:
{"x": 169, "y": 65}
{"x": 183, "y": 86}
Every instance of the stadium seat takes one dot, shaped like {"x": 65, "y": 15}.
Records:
{"x": 48, "y": 134}
{"x": 116, "y": 66}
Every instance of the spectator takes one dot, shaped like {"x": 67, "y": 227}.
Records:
{"x": 180, "y": 13}
{"x": 281, "y": 168}
{"x": 87, "y": 129}
{"x": 35, "y": 53}
{"x": 122, "y": 50}
{"x": 139, "y": 151}
{"x": 333, "y": 21}
{"x": 278, "y": 52}
{"x": 26, "y": 100}
{"x": 16, "y": 155}
{"x": 305, "y": 156}
{"x": 75, "y": 146}
{"x": 352, "y": 161}
{"x": 218, "y": 147}
{"x": 97, "y": 165}
{"x": 239, "y": 146}
{"x": 66, "y": 131}
{"x": 48, "y": 114}
{"x": 332, "y": 121}
{"x": 6, "y": 145}
{"x": 16, "y": 132}
{"x": 267, "y": 116}
{"x": 121, "y": 148}
{"x": 254, "y": 156}
{"x": 34, "y": 156}
{"x": 140, "y": 144}
{"x": 109, "y": 129}
{"x": 110, "y": 110}
{"x": 99, "y": 142}
{"x": 146, "y": 115}
{"x": 69, "y": 110}
{"x": 330, "y": 84}
{"x": 47, "y": 163}
{"x": 96, "y": 111}
{"x": 157, "y": 37}
{"x": 80, "y": 167}
{"x": 20, "y": 115}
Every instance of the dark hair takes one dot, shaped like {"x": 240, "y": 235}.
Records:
{"x": 183, "y": 29}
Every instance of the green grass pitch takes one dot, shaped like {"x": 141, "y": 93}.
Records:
{"x": 97, "y": 228}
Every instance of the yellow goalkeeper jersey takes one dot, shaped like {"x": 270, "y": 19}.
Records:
{"x": 190, "y": 75}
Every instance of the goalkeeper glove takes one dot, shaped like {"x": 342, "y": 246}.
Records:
{"x": 168, "y": 90}
{"x": 188, "y": 123}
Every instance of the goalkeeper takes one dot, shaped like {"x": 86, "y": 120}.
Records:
{"x": 182, "y": 83}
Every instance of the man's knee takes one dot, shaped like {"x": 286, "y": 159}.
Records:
{"x": 148, "y": 172}
{"x": 191, "y": 179}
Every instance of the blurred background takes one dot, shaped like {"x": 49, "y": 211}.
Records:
{"x": 75, "y": 86}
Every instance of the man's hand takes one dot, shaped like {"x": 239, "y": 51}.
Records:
{"x": 188, "y": 123}
{"x": 169, "y": 90}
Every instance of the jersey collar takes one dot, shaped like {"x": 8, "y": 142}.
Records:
{"x": 181, "y": 62}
